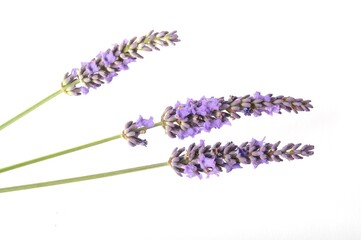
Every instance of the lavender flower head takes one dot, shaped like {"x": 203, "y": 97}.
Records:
{"x": 195, "y": 116}
{"x": 206, "y": 159}
{"x": 106, "y": 65}
{"x": 132, "y": 130}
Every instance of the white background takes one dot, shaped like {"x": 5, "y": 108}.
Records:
{"x": 307, "y": 49}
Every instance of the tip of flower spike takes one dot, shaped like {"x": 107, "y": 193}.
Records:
{"x": 106, "y": 65}
{"x": 131, "y": 133}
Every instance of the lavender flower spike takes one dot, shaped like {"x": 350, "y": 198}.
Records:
{"x": 106, "y": 65}
{"x": 132, "y": 130}
{"x": 131, "y": 134}
{"x": 195, "y": 116}
{"x": 214, "y": 159}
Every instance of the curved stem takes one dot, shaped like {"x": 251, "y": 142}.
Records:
{"x": 83, "y": 178}
{"x": 53, "y": 155}
{"x": 30, "y": 109}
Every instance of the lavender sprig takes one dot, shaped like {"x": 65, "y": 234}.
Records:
{"x": 207, "y": 159}
{"x": 200, "y": 159}
{"x": 103, "y": 68}
{"x": 189, "y": 119}
{"x": 195, "y": 116}
{"x": 106, "y": 65}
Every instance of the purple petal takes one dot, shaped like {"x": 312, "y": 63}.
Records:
{"x": 141, "y": 122}
{"x": 241, "y": 153}
{"x": 191, "y": 106}
{"x": 108, "y": 58}
{"x": 247, "y": 111}
{"x": 258, "y": 162}
{"x": 205, "y": 162}
{"x": 258, "y": 143}
{"x": 213, "y": 104}
{"x": 257, "y": 95}
{"x": 190, "y": 171}
{"x": 84, "y": 90}
{"x": 74, "y": 72}
{"x": 214, "y": 171}
{"x": 273, "y": 109}
{"x": 128, "y": 60}
{"x": 207, "y": 126}
{"x": 231, "y": 164}
{"x": 182, "y": 112}
{"x": 110, "y": 76}
{"x": 267, "y": 98}
{"x": 92, "y": 68}
{"x": 192, "y": 131}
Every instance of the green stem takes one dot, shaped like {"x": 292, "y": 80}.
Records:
{"x": 30, "y": 109}
{"x": 39, "y": 159}
{"x": 70, "y": 150}
{"x": 83, "y": 178}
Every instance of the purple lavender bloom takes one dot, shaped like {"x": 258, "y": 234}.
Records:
{"x": 103, "y": 68}
{"x": 257, "y": 143}
{"x": 209, "y": 164}
{"x": 109, "y": 78}
{"x": 272, "y": 109}
{"x": 208, "y": 125}
{"x": 182, "y": 112}
{"x": 191, "y": 171}
{"x": 205, "y": 162}
{"x": 190, "y": 132}
{"x": 84, "y": 90}
{"x": 231, "y": 164}
{"x": 195, "y": 116}
{"x": 132, "y": 130}
{"x": 131, "y": 133}
{"x": 91, "y": 68}
{"x": 108, "y": 58}
{"x": 211, "y": 160}
{"x": 247, "y": 111}
{"x": 142, "y": 122}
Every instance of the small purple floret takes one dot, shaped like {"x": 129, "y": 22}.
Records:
{"x": 142, "y": 122}
{"x": 84, "y": 90}
{"x": 272, "y": 109}
{"x": 257, "y": 143}
{"x": 92, "y": 68}
{"x": 247, "y": 111}
{"x": 231, "y": 164}
{"x": 191, "y": 171}
{"x": 205, "y": 162}
{"x": 109, "y": 78}
{"x": 258, "y": 162}
{"x": 108, "y": 58}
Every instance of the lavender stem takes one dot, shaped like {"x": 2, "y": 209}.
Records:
{"x": 70, "y": 150}
{"x": 82, "y": 178}
{"x": 30, "y": 109}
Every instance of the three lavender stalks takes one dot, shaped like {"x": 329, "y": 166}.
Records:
{"x": 178, "y": 121}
